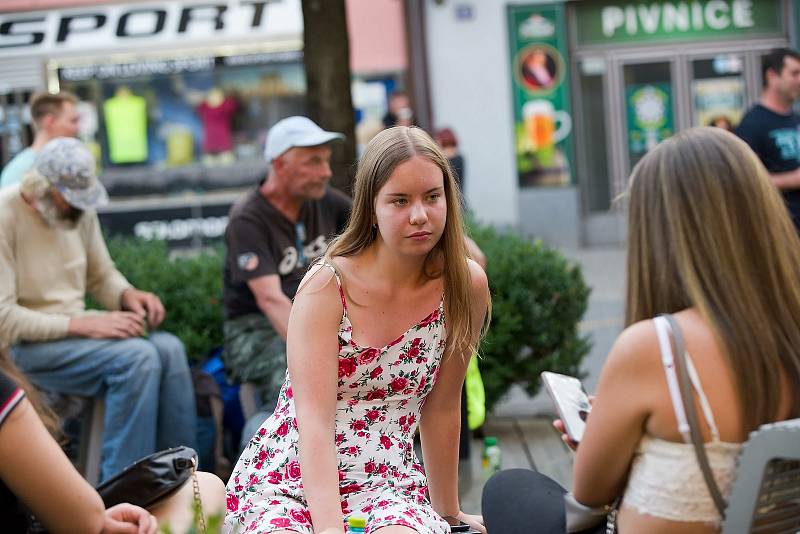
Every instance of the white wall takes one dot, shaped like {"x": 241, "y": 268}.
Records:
{"x": 471, "y": 93}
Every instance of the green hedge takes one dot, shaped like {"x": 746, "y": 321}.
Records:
{"x": 538, "y": 300}
{"x": 190, "y": 286}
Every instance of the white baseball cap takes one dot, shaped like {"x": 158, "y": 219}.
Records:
{"x": 296, "y": 132}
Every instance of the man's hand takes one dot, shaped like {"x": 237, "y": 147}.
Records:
{"x": 113, "y": 325}
{"x": 126, "y": 518}
{"x": 145, "y": 304}
{"x": 786, "y": 180}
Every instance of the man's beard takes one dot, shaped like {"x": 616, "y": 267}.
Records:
{"x": 48, "y": 210}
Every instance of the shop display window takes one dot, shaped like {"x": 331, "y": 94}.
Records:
{"x": 593, "y": 138}
{"x": 197, "y": 124}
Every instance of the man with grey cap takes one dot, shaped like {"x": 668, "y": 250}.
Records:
{"x": 53, "y": 254}
{"x": 275, "y": 231}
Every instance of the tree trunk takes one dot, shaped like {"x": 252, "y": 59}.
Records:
{"x": 327, "y": 63}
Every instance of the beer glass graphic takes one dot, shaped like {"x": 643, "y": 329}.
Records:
{"x": 541, "y": 119}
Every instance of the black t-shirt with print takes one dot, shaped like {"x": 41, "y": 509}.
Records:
{"x": 12, "y": 518}
{"x": 775, "y": 138}
{"x": 261, "y": 241}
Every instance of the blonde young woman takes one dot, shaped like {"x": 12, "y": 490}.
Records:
{"x": 379, "y": 340}
{"x": 710, "y": 241}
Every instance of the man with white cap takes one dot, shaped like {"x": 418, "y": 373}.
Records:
{"x": 274, "y": 232}
{"x": 53, "y": 254}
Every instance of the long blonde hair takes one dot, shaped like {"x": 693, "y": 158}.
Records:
{"x": 707, "y": 229}
{"x": 383, "y": 154}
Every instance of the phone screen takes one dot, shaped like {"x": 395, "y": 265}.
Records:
{"x": 571, "y": 402}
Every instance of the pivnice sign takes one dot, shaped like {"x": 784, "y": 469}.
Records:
{"x": 619, "y": 22}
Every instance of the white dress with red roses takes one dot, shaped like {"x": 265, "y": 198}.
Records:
{"x": 380, "y": 395}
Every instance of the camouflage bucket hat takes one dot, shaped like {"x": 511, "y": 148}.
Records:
{"x": 68, "y": 165}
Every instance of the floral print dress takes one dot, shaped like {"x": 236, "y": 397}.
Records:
{"x": 380, "y": 395}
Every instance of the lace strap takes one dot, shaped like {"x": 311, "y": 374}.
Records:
{"x": 704, "y": 405}
{"x": 667, "y": 359}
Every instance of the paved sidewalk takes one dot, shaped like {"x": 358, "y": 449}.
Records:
{"x": 523, "y": 424}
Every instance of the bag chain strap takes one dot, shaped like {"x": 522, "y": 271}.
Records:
{"x": 611, "y": 519}
{"x": 197, "y": 500}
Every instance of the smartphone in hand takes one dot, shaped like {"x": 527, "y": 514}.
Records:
{"x": 571, "y": 402}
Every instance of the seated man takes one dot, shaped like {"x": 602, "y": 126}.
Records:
{"x": 53, "y": 253}
{"x": 275, "y": 231}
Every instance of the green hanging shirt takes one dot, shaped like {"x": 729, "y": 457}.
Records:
{"x": 126, "y": 128}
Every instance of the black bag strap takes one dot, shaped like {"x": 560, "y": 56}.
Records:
{"x": 691, "y": 413}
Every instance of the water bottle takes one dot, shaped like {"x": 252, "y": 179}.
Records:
{"x": 356, "y": 525}
{"x": 491, "y": 461}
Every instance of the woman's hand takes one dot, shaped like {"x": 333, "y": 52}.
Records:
{"x": 475, "y": 522}
{"x": 559, "y": 426}
{"x": 128, "y": 519}
{"x": 332, "y": 531}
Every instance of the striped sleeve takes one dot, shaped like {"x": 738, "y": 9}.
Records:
{"x": 10, "y": 395}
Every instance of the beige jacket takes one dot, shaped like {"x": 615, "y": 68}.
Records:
{"x": 46, "y": 272}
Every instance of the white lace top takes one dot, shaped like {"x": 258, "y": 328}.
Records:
{"x": 665, "y": 480}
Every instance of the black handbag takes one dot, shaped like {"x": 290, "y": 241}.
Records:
{"x": 147, "y": 481}
{"x": 150, "y": 479}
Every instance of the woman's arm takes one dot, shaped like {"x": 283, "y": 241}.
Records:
{"x": 312, "y": 348}
{"x": 40, "y": 475}
{"x": 441, "y": 415}
{"x": 623, "y": 402}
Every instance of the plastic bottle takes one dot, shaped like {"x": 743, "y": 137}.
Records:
{"x": 491, "y": 461}
{"x": 356, "y": 525}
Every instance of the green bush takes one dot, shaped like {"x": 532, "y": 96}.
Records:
{"x": 190, "y": 286}
{"x": 538, "y": 298}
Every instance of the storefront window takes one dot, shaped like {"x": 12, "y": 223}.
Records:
{"x": 649, "y": 106}
{"x": 718, "y": 91}
{"x": 198, "y": 124}
{"x": 594, "y": 134}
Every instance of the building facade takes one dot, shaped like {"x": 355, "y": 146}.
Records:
{"x": 555, "y": 102}
{"x": 176, "y": 97}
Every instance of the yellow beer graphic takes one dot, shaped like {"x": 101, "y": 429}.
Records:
{"x": 541, "y": 119}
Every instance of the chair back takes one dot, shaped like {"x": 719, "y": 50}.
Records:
{"x": 766, "y": 494}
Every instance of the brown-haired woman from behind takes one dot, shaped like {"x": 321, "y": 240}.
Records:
{"x": 709, "y": 241}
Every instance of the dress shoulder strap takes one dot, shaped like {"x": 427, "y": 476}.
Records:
{"x": 321, "y": 263}
{"x": 668, "y": 361}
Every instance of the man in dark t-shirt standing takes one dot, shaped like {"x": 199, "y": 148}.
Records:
{"x": 275, "y": 231}
{"x": 772, "y": 129}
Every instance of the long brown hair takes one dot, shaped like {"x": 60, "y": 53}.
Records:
{"x": 707, "y": 229}
{"x": 383, "y": 154}
{"x": 47, "y": 415}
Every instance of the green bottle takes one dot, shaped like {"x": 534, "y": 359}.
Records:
{"x": 356, "y": 525}
{"x": 491, "y": 461}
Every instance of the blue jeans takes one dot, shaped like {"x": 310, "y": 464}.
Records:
{"x": 149, "y": 398}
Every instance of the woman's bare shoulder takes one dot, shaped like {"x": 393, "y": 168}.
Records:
{"x": 319, "y": 284}
{"x": 478, "y": 279}
{"x": 636, "y": 349}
